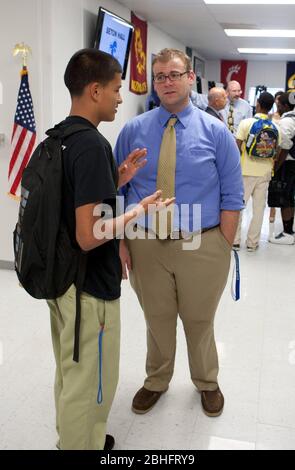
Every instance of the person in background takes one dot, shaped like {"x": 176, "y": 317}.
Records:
{"x": 256, "y": 172}
{"x": 275, "y": 117}
{"x": 216, "y": 102}
{"x": 236, "y": 108}
{"x": 285, "y": 168}
{"x": 199, "y": 100}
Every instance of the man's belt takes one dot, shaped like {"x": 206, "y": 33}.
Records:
{"x": 178, "y": 235}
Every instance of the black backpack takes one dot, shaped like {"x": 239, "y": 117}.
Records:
{"x": 46, "y": 262}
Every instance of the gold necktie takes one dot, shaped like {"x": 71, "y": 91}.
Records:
{"x": 166, "y": 179}
{"x": 230, "y": 117}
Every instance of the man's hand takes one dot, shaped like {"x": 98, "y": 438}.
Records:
{"x": 125, "y": 259}
{"x": 152, "y": 204}
{"x": 130, "y": 166}
{"x": 228, "y": 224}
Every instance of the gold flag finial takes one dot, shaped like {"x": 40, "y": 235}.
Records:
{"x": 24, "y": 50}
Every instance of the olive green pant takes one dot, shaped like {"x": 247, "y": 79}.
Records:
{"x": 80, "y": 420}
{"x": 168, "y": 281}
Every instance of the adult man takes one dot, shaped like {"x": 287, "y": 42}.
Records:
{"x": 216, "y": 102}
{"x": 201, "y": 167}
{"x": 236, "y": 108}
{"x": 256, "y": 172}
{"x": 285, "y": 168}
{"x": 93, "y": 79}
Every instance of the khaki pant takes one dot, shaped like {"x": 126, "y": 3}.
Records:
{"x": 80, "y": 420}
{"x": 168, "y": 281}
{"x": 255, "y": 186}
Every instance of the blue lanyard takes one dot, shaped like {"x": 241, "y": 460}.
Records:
{"x": 99, "y": 396}
{"x": 235, "y": 287}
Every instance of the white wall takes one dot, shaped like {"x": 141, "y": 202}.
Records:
{"x": 54, "y": 29}
{"x": 272, "y": 74}
{"x": 80, "y": 30}
{"x": 20, "y": 23}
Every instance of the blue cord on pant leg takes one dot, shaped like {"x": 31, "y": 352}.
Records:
{"x": 100, "y": 337}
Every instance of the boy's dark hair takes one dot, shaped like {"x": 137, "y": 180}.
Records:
{"x": 279, "y": 93}
{"x": 89, "y": 66}
{"x": 266, "y": 101}
{"x": 284, "y": 99}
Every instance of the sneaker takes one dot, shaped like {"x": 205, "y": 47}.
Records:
{"x": 251, "y": 249}
{"x": 145, "y": 400}
{"x": 109, "y": 443}
{"x": 283, "y": 239}
{"x": 212, "y": 402}
{"x": 236, "y": 247}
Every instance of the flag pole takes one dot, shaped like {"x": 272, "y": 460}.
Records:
{"x": 24, "y": 51}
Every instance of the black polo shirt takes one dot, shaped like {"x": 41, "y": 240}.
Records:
{"x": 91, "y": 176}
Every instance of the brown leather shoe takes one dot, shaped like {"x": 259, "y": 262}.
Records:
{"x": 212, "y": 402}
{"x": 144, "y": 400}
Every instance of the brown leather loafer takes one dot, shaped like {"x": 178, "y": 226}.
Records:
{"x": 212, "y": 402}
{"x": 144, "y": 400}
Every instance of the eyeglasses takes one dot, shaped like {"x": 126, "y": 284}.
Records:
{"x": 173, "y": 77}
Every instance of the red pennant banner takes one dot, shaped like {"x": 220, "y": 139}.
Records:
{"x": 138, "y": 75}
{"x": 234, "y": 70}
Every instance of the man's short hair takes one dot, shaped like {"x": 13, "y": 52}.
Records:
{"x": 284, "y": 99}
{"x": 266, "y": 101}
{"x": 89, "y": 66}
{"x": 169, "y": 54}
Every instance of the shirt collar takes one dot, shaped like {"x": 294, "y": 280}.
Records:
{"x": 183, "y": 117}
{"x": 261, "y": 116}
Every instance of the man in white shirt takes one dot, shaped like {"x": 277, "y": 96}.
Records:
{"x": 199, "y": 100}
{"x": 256, "y": 170}
{"x": 236, "y": 108}
{"x": 285, "y": 168}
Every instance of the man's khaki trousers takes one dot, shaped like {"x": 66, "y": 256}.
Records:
{"x": 80, "y": 420}
{"x": 170, "y": 281}
{"x": 255, "y": 186}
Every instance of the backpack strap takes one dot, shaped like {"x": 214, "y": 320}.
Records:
{"x": 82, "y": 265}
{"x": 59, "y": 133}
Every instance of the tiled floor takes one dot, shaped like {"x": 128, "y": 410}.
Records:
{"x": 256, "y": 343}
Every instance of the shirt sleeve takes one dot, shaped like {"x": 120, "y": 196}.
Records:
{"x": 242, "y": 131}
{"x": 249, "y": 113}
{"x": 229, "y": 170}
{"x": 122, "y": 150}
{"x": 287, "y": 128}
{"x": 93, "y": 178}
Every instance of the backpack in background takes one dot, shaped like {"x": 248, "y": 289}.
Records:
{"x": 46, "y": 262}
{"x": 262, "y": 140}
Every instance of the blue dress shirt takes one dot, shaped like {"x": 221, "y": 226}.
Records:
{"x": 208, "y": 171}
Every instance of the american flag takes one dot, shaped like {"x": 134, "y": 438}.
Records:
{"x": 23, "y": 136}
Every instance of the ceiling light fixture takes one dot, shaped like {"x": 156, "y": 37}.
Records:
{"x": 261, "y": 33}
{"x": 260, "y": 50}
{"x": 250, "y": 2}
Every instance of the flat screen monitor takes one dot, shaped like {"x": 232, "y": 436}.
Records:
{"x": 113, "y": 35}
